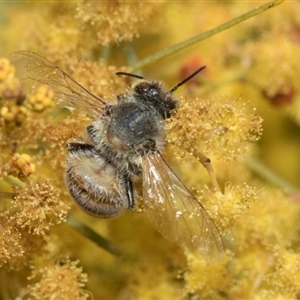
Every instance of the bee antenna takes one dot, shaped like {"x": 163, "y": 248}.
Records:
{"x": 130, "y": 75}
{"x": 174, "y": 88}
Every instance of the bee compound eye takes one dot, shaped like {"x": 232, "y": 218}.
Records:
{"x": 143, "y": 87}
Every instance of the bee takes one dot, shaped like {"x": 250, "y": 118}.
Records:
{"x": 124, "y": 146}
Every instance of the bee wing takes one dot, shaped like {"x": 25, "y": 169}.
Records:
{"x": 175, "y": 212}
{"x": 34, "y": 70}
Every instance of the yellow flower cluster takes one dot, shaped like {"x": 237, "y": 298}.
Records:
{"x": 6, "y": 69}
{"x": 38, "y": 207}
{"x": 10, "y": 238}
{"x": 236, "y": 203}
{"x": 62, "y": 279}
{"x": 12, "y": 114}
{"x": 10, "y": 88}
{"x": 116, "y": 21}
{"x": 216, "y": 126}
{"x": 42, "y": 99}
{"x": 21, "y": 165}
{"x": 259, "y": 262}
{"x": 34, "y": 209}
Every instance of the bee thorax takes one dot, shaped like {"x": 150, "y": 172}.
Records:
{"x": 135, "y": 128}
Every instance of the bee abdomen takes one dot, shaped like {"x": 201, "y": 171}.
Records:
{"x": 94, "y": 183}
{"x": 96, "y": 202}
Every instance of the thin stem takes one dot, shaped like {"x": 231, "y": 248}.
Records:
{"x": 15, "y": 181}
{"x": 7, "y": 195}
{"x": 205, "y": 161}
{"x": 93, "y": 236}
{"x": 271, "y": 176}
{"x": 173, "y": 49}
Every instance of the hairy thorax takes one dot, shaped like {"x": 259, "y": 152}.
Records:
{"x": 128, "y": 131}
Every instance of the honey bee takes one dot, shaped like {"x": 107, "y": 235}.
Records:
{"x": 124, "y": 146}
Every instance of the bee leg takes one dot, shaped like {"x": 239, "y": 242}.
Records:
{"x": 78, "y": 146}
{"x": 91, "y": 131}
{"x": 206, "y": 162}
{"x": 129, "y": 193}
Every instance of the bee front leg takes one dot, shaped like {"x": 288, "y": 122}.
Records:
{"x": 95, "y": 183}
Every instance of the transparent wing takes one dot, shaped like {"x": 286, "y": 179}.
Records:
{"x": 175, "y": 212}
{"x": 34, "y": 70}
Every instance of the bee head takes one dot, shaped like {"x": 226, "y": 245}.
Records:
{"x": 152, "y": 93}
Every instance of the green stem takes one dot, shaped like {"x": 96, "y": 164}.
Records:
{"x": 269, "y": 175}
{"x": 93, "y": 236}
{"x": 171, "y": 50}
{"x": 7, "y": 195}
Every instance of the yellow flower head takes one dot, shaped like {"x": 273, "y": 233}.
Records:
{"x": 12, "y": 115}
{"x": 6, "y": 69}
{"x": 21, "y": 165}
{"x": 42, "y": 99}
{"x": 215, "y": 126}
